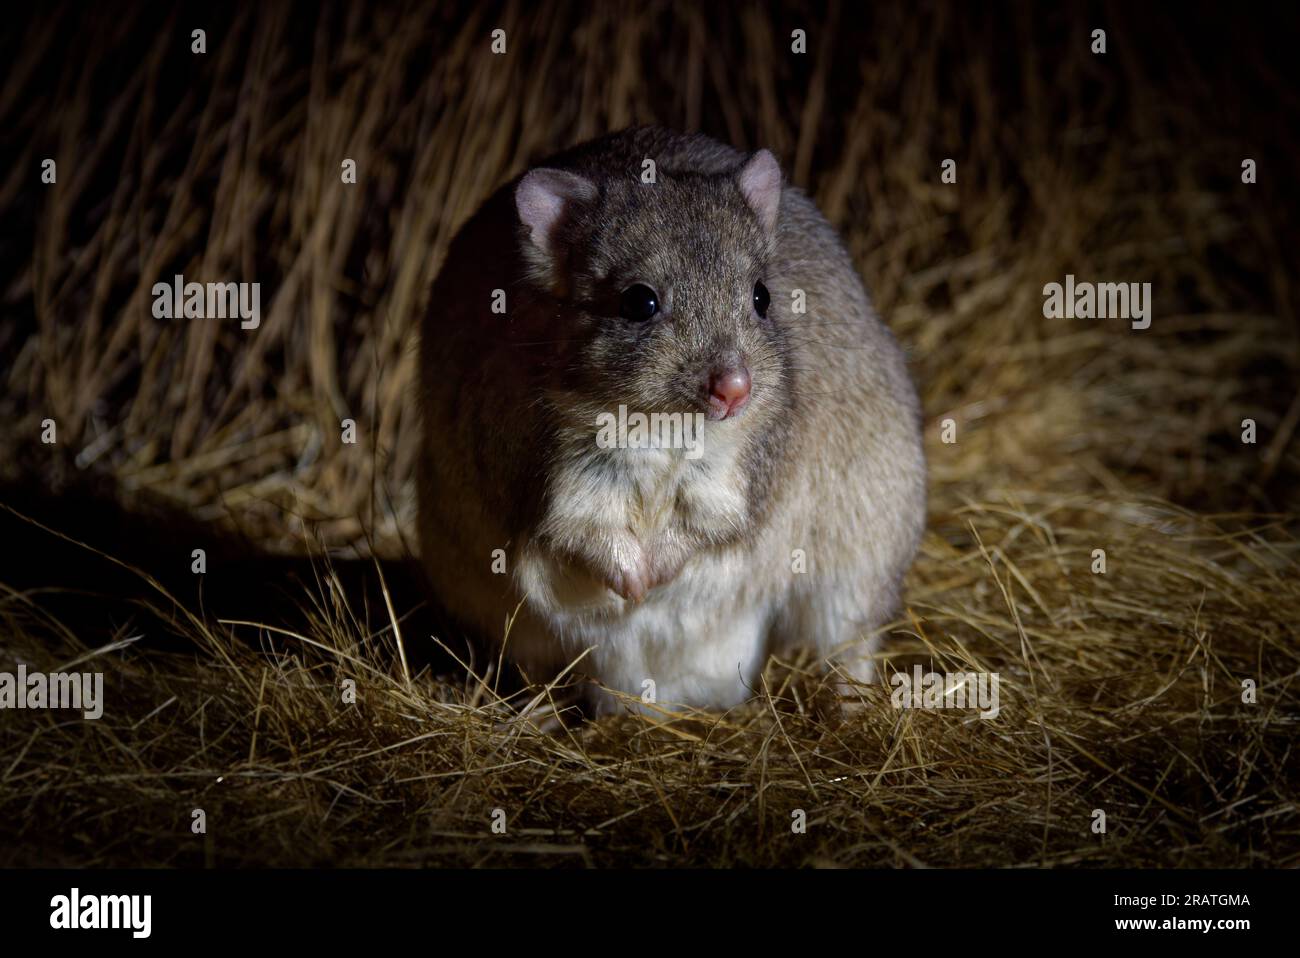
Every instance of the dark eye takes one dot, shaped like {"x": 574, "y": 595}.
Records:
{"x": 761, "y": 299}
{"x": 638, "y": 303}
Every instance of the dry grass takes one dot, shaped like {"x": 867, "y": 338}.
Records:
{"x": 1120, "y": 692}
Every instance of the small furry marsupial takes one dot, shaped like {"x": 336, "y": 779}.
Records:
{"x": 663, "y": 421}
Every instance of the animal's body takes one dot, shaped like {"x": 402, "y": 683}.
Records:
{"x": 792, "y": 522}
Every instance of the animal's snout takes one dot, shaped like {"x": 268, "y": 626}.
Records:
{"x": 729, "y": 389}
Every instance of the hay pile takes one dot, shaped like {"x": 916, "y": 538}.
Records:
{"x": 1120, "y": 691}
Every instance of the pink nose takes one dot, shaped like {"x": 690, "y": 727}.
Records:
{"x": 728, "y": 392}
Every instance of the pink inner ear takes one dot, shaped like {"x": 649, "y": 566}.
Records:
{"x": 542, "y": 199}
{"x": 760, "y": 182}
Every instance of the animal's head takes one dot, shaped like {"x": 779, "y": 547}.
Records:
{"x": 663, "y": 290}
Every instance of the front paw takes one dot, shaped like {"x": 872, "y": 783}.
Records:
{"x": 630, "y": 582}
{"x": 633, "y": 581}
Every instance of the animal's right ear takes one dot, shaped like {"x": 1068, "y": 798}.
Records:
{"x": 760, "y": 182}
{"x": 546, "y": 200}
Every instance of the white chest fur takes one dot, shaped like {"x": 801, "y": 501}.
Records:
{"x": 617, "y": 509}
{"x": 698, "y": 636}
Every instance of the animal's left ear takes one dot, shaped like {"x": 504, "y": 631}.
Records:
{"x": 760, "y": 183}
